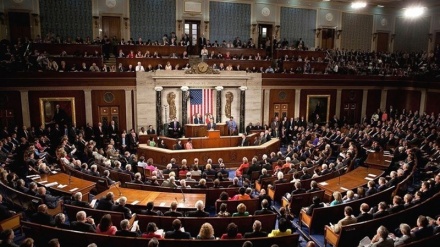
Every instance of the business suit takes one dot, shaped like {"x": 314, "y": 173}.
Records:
{"x": 254, "y": 234}
{"x": 197, "y": 213}
{"x": 42, "y": 218}
{"x": 177, "y": 234}
{"x": 364, "y": 217}
{"x": 123, "y": 209}
{"x": 384, "y": 243}
{"x": 402, "y": 240}
{"x": 104, "y": 204}
{"x": 82, "y": 204}
{"x": 347, "y": 220}
{"x": 263, "y": 211}
{"x": 82, "y": 226}
{"x": 173, "y": 214}
{"x": 126, "y": 233}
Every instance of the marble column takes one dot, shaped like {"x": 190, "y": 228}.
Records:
{"x": 24, "y": 95}
{"x": 297, "y": 102}
{"x": 338, "y": 104}
{"x": 158, "y": 90}
{"x": 129, "y": 107}
{"x": 242, "y": 107}
{"x": 88, "y": 103}
{"x": 184, "y": 105}
{"x": 364, "y": 103}
{"x": 218, "y": 104}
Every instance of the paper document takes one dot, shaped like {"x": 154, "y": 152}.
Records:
{"x": 135, "y": 202}
{"x": 51, "y": 184}
{"x": 43, "y": 182}
{"x": 343, "y": 188}
{"x": 61, "y": 186}
{"x": 369, "y": 179}
{"x": 365, "y": 241}
{"x": 36, "y": 177}
{"x": 72, "y": 190}
{"x": 53, "y": 172}
{"x": 323, "y": 183}
{"x": 135, "y": 224}
{"x": 162, "y": 204}
{"x": 372, "y": 175}
{"x": 92, "y": 204}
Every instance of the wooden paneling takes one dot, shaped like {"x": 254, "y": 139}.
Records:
{"x": 34, "y": 104}
{"x": 111, "y": 26}
{"x": 118, "y": 102}
{"x": 19, "y": 26}
{"x": 382, "y": 42}
{"x": 281, "y": 96}
{"x": 353, "y": 100}
{"x": 404, "y": 99}
{"x": 10, "y": 108}
{"x": 432, "y": 102}
{"x": 373, "y": 101}
{"x": 303, "y": 100}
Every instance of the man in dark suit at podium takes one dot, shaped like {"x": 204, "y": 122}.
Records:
{"x": 198, "y": 119}
{"x": 150, "y": 130}
{"x": 174, "y": 128}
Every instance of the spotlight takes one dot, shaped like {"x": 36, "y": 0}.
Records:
{"x": 358, "y": 5}
{"x": 413, "y": 12}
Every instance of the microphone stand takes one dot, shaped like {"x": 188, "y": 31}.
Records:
{"x": 117, "y": 187}
{"x": 183, "y": 194}
{"x": 339, "y": 176}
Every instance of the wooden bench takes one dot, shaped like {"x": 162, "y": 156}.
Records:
{"x": 279, "y": 54}
{"x": 116, "y": 176}
{"x": 96, "y": 214}
{"x": 25, "y": 201}
{"x": 42, "y": 234}
{"x": 322, "y": 216}
{"x": 101, "y": 184}
{"x": 192, "y": 224}
{"x": 251, "y": 205}
{"x": 355, "y": 232}
{"x": 11, "y": 223}
{"x": 297, "y": 202}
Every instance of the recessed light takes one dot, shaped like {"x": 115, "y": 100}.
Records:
{"x": 380, "y": 6}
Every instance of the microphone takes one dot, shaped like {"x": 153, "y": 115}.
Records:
{"x": 117, "y": 187}
{"x": 183, "y": 194}
{"x": 339, "y": 176}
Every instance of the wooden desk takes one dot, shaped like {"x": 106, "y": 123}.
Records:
{"x": 201, "y": 130}
{"x": 82, "y": 186}
{"x": 349, "y": 181}
{"x": 162, "y": 200}
{"x": 378, "y": 160}
{"x": 231, "y": 155}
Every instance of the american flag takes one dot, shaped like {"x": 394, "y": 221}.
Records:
{"x": 201, "y": 102}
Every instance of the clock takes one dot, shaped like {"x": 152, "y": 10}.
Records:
{"x": 110, "y": 3}
{"x": 329, "y": 17}
{"x": 108, "y": 97}
{"x": 265, "y": 11}
{"x": 202, "y": 67}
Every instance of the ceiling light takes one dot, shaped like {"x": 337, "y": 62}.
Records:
{"x": 413, "y": 12}
{"x": 358, "y": 5}
{"x": 380, "y": 6}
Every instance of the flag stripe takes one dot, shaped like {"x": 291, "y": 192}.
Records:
{"x": 201, "y": 102}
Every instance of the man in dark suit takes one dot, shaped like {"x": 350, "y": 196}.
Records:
{"x": 125, "y": 230}
{"x": 41, "y": 216}
{"x": 83, "y": 223}
{"x": 112, "y": 131}
{"x": 244, "y": 142}
{"x": 316, "y": 203}
{"x": 99, "y": 133}
{"x": 120, "y": 207}
{"x": 150, "y": 130}
{"x": 106, "y": 203}
{"x": 199, "y": 212}
{"x": 174, "y": 128}
{"x": 198, "y": 119}
{"x": 423, "y": 229}
{"x": 49, "y": 200}
{"x": 177, "y": 233}
{"x": 173, "y": 211}
{"x": 79, "y": 202}
{"x": 202, "y": 41}
{"x": 364, "y": 215}
{"x": 149, "y": 210}
{"x": 264, "y": 208}
{"x": 382, "y": 210}
{"x": 256, "y": 233}
{"x": 132, "y": 141}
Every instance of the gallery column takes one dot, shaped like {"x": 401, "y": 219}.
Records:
{"x": 242, "y": 107}
{"x": 158, "y": 90}
{"x": 184, "y": 104}
{"x": 218, "y": 104}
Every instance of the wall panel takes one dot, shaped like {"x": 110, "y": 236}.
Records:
{"x": 404, "y": 99}
{"x": 373, "y": 101}
{"x": 357, "y": 30}
{"x": 411, "y": 34}
{"x": 298, "y": 23}
{"x": 282, "y": 96}
{"x": 351, "y": 105}
{"x": 432, "y": 102}
{"x": 98, "y": 100}
{"x": 10, "y": 103}
{"x": 228, "y": 21}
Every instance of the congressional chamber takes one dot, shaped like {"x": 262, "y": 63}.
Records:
{"x": 245, "y": 123}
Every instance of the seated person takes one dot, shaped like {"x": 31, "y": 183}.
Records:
{"x": 173, "y": 211}
{"x": 199, "y": 212}
{"x": 137, "y": 178}
{"x": 313, "y": 187}
{"x": 423, "y": 229}
{"x": 83, "y": 223}
{"x": 223, "y": 212}
{"x": 125, "y": 230}
{"x": 241, "y": 195}
{"x": 120, "y": 207}
{"x": 206, "y": 232}
{"x": 232, "y": 232}
{"x": 337, "y": 198}
{"x": 42, "y": 217}
{"x": 241, "y": 211}
{"x": 49, "y": 200}
{"x": 381, "y": 238}
{"x": 77, "y": 201}
{"x": 177, "y": 233}
{"x": 106, "y": 226}
{"x": 364, "y": 215}
{"x": 256, "y": 233}
{"x": 406, "y": 237}
{"x": 264, "y": 208}
{"x": 60, "y": 221}
{"x": 282, "y": 230}
{"x": 347, "y": 220}
{"x": 106, "y": 203}
{"x": 316, "y": 204}
{"x": 151, "y": 231}
{"x": 149, "y": 210}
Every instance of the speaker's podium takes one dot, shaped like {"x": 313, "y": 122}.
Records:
{"x": 213, "y": 134}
